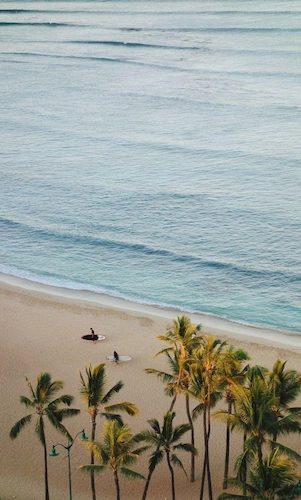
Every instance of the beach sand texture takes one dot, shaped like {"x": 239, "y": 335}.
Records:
{"x": 41, "y": 330}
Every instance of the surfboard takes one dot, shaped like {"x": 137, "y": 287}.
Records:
{"x": 96, "y": 337}
{"x": 121, "y": 358}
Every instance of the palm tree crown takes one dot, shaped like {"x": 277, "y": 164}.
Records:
{"x": 166, "y": 440}
{"x": 117, "y": 449}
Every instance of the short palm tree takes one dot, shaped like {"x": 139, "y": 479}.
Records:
{"x": 255, "y": 416}
{"x": 166, "y": 441}
{"x": 92, "y": 391}
{"x": 117, "y": 449}
{"x": 275, "y": 478}
{"x": 286, "y": 386}
{"x": 44, "y": 403}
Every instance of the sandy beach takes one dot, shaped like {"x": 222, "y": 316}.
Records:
{"x": 41, "y": 329}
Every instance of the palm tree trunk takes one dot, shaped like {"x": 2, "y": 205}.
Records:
{"x": 227, "y": 456}
{"x": 46, "y": 472}
{"x": 146, "y": 485}
{"x": 92, "y": 459}
{"x": 205, "y": 454}
{"x": 244, "y": 472}
{"x": 173, "y": 493}
{"x": 117, "y": 485}
{"x": 208, "y": 454}
{"x": 173, "y": 402}
{"x": 192, "y": 457}
{"x": 260, "y": 458}
{"x": 206, "y": 464}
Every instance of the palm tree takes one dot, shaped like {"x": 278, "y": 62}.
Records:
{"x": 255, "y": 416}
{"x": 275, "y": 478}
{"x": 116, "y": 449}
{"x": 286, "y": 386}
{"x": 234, "y": 374}
{"x": 183, "y": 340}
{"x": 92, "y": 391}
{"x": 166, "y": 441}
{"x": 44, "y": 403}
{"x": 207, "y": 372}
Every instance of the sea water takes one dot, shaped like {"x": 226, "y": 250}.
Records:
{"x": 150, "y": 150}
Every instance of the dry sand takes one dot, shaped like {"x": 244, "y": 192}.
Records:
{"x": 41, "y": 329}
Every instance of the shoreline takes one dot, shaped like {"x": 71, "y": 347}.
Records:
{"x": 211, "y": 325}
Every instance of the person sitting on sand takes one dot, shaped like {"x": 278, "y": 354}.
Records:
{"x": 115, "y": 357}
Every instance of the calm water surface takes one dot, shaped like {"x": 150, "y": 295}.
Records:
{"x": 151, "y": 150}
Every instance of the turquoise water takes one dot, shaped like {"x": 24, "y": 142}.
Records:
{"x": 151, "y": 150}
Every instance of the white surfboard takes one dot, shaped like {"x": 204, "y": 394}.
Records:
{"x": 121, "y": 358}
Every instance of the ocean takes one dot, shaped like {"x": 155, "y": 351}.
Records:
{"x": 151, "y": 150}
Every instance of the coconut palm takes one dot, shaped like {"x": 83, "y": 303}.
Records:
{"x": 166, "y": 442}
{"x": 183, "y": 340}
{"x": 255, "y": 416}
{"x": 116, "y": 450}
{"x": 286, "y": 386}
{"x": 234, "y": 374}
{"x": 207, "y": 372}
{"x": 44, "y": 403}
{"x": 178, "y": 385}
{"x": 92, "y": 391}
{"x": 275, "y": 478}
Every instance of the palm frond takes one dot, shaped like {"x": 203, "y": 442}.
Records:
{"x": 14, "y": 432}
{"x": 287, "y": 451}
{"x": 62, "y": 413}
{"x": 30, "y": 387}
{"x": 112, "y": 416}
{"x": 93, "y": 468}
{"x": 130, "y": 474}
{"x": 177, "y": 462}
{"x": 66, "y": 399}
{"x": 163, "y": 376}
{"x": 180, "y": 430}
{"x": 114, "y": 390}
{"x": 186, "y": 447}
{"x": 155, "y": 458}
{"x": 27, "y": 402}
{"x": 148, "y": 436}
{"x": 232, "y": 496}
{"x": 125, "y": 406}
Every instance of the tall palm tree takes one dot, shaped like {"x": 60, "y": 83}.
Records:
{"x": 44, "y": 403}
{"x": 166, "y": 442}
{"x": 207, "y": 372}
{"x": 117, "y": 448}
{"x": 234, "y": 374}
{"x": 275, "y": 478}
{"x": 92, "y": 391}
{"x": 183, "y": 340}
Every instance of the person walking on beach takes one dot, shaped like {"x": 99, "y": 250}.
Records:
{"x": 92, "y": 333}
{"x": 115, "y": 357}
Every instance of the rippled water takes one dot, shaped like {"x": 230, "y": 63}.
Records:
{"x": 151, "y": 150}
